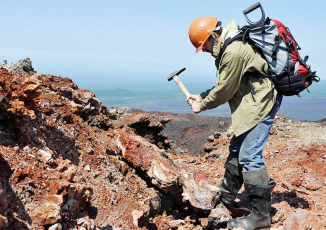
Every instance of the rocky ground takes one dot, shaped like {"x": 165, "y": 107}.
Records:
{"x": 68, "y": 162}
{"x": 295, "y": 157}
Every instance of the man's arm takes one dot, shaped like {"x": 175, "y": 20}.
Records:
{"x": 227, "y": 83}
{"x": 205, "y": 94}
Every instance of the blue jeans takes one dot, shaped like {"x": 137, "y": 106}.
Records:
{"x": 248, "y": 146}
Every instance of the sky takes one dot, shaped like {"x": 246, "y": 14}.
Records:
{"x": 137, "y": 44}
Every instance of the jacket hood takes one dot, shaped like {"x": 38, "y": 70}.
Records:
{"x": 230, "y": 28}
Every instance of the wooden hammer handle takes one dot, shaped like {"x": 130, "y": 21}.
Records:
{"x": 181, "y": 86}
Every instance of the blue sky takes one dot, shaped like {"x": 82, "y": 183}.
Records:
{"x": 137, "y": 44}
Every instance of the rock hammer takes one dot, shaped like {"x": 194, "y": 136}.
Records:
{"x": 174, "y": 76}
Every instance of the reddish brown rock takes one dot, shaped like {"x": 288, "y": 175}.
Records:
{"x": 18, "y": 108}
{"x": 149, "y": 159}
{"x": 208, "y": 147}
{"x": 142, "y": 118}
{"x": 186, "y": 227}
{"x": 48, "y": 210}
{"x": 56, "y": 226}
{"x": 297, "y": 220}
{"x": 32, "y": 84}
{"x": 174, "y": 224}
{"x": 51, "y": 130}
{"x": 198, "y": 228}
{"x": 3, "y": 222}
{"x": 283, "y": 211}
{"x": 312, "y": 183}
{"x": 77, "y": 197}
{"x": 59, "y": 186}
{"x": 68, "y": 170}
{"x": 163, "y": 173}
{"x": 155, "y": 204}
{"x": 45, "y": 154}
{"x": 22, "y": 172}
{"x": 297, "y": 182}
{"x": 218, "y": 217}
{"x": 141, "y": 215}
{"x": 204, "y": 222}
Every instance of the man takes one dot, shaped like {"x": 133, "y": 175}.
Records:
{"x": 241, "y": 82}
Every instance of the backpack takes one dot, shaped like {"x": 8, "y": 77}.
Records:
{"x": 289, "y": 72}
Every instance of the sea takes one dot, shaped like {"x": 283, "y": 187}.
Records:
{"x": 309, "y": 106}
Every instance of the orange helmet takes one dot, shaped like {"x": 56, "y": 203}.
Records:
{"x": 200, "y": 29}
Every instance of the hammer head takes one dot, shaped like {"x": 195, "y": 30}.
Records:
{"x": 176, "y": 73}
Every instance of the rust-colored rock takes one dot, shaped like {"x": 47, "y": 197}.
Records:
{"x": 142, "y": 118}
{"x": 283, "y": 210}
{"x": 48, "y": 210}
{"x": 32, "y": 84}
{"x": 174, "y": 224}
{"x": 141, "y": 215}
{"x": 59, "y": 186}
{"x": 77, "y": 197}
{"x": 3, "y": 222}
{"x": 69, "y": 162}
{"x": 155, "y": 204}
{"x": 218, "y": 217}
{"x": 149, "y": 159}
{"x": 56, "y": 226}
{"x": 186, "y": 227}
{"x": 162, "y": 172}
{"x": 299, "y": 219}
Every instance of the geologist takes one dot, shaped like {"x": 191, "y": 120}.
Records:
{"x": 253, "y": 102}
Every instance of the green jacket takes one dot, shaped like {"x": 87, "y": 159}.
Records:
{"x": 238, "y": 59}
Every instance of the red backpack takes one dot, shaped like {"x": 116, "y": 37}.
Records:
{"x": 289, "y": 72}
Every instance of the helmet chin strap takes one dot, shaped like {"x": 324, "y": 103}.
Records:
{"x": 218, "y": 28}
{"x": 214, "y": 45}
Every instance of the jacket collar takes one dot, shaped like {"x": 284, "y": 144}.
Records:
{"x": 231, "y": 27}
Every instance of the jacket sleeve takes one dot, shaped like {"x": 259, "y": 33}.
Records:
{"x": 203, "y": 95}
{"x": 227, "y": 82}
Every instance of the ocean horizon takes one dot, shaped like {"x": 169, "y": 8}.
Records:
{"x": 308, "y": 107}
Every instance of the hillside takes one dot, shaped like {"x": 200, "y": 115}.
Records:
{"x": 68, "y": 162}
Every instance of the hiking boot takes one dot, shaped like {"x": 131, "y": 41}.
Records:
{"x": 232, "y": 181}
{"x": 230, "y": 187}
{"x": 260, "y": 199}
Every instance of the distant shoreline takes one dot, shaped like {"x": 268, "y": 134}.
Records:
{"x": 310, "y": 107}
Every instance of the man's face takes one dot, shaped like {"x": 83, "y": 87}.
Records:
{"x": 209, "y": 43}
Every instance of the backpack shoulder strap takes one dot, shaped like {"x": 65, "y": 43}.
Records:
{"x": 242, "y": 35}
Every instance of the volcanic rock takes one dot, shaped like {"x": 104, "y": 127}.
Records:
{"x": 69, "y": 162}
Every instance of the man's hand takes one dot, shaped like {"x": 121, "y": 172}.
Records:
{"x": 194, "y": 102}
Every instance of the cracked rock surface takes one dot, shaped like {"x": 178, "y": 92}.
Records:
{"x": 69, "y": 162}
